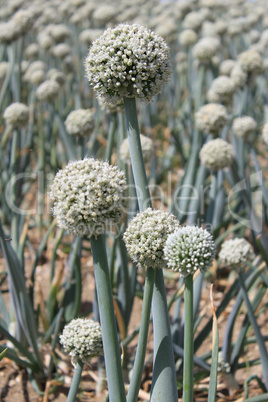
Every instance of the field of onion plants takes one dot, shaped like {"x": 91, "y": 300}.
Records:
{"x": 134, "y": 200}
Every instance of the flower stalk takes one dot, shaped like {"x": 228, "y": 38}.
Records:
{"x": 188, "y": 249}
{"x": 188, "y": 362}
{"x": 162, "y": 382}
{"x": 75, "y": 381}
{"x": 137, "y": 162}
{"x": 133, "y": 391}
{"x": 14, "y": 168}
{"x": 108, "y": 323}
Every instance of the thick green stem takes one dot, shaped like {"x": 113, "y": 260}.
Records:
{"x": 110, "y": 141}
{"x": 14, "y": 196}
{"x": 5, "y": 137}
{"x": 219, "y": 202}
{"x": 164, "y": 380}
{"x": 135, "y": 149}
{"x": 9, "y": 73}
{"x": 75, "y": 381}
{"x": 195, "y": 210}
{"x": 54, "y": 140}
{"x": 124, "y": 285}
{"x": 18, "y": 74}
{"x": 80, "y": 151}
{"x": 164, "y": 385}
{"x": 259, "y": 337}
{"x": 240, "y": 150}
{"x": 188, "y": 361}
{"x": 135, "y": 382}
{"x": 199, "y": 90}
{"x": 41, "y": 171}
{"x": 108, "y": 324}
{"x": 212, "y": 198}
{"x": 182, "y": 195}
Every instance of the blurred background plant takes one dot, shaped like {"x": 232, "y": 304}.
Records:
{"x": 215, "y": 106}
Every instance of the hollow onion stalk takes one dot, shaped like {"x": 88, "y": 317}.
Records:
{"x": 164, "y": 379}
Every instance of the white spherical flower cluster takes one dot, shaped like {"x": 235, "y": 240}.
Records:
{"x": 37, "y": 77}
{"x": 206, "y": 48}
{"x": 9, "y": 32}
{"x": 68, "y": 64}
{"x": 168, "y": 29}
{"x": 23, "y": 20}
{"x": 251, "y": 19}
{"x": 227, "y": 66}
{"x": 128, "y": 13}
{"x": 259, "y": 48}
{"x": 188, "y": 249}
{"x": 77, "y": 17}
{"x": 184, "y": 7}
{"x": 82, "y": 339}
{"x": 236, "y": 251}
{"x": 56, "y": 75}
{"x": 86, "y": 9}
{"x": 61, "y": 50}
{"x": 221, "y": 90}
{"x": 181, "y": 68}
{"x": 44, "y": 40}
{"x": 31, "y": 51}
{"x": 146, "y": 146}
{"x": 188, "y": 37}
{"x": 208, "y": 29}
{"x": 16, "y": 115}
{"x": 216, "y": 154}
{"x": 23, "y": 66}
{"x": 193, "y": 20}
{"x": 89, "y": 35}
{"x": 221, "y": 27}
{"x": 32, "y": 67}
{"x": 215, "y": 61}
{"x": 181, "y": 57}
{"x": 211, "y": 118}
{"x": 265, "y": 133}
{"x": 211, "y": 3}
{"x": 88, "y": 196}
{"x": 117, "y": 107}
{"x": 146, "y": 235}
{"x": 238, "y": 75}
{"x": 104, "y": 13}
{"x": 235, "y": 27}
{"x": 207, "y": 14}
{"x": 48, "y": 91}
{"x": 59, "y": 32}
{"x": 254, "y": 36}
{"x": 80, "y": 122}
{"x": 244, "y": 126}
{"x": 250, "y": 61}
{"x": 236, "y": 11}
{"x": 130, "y": 61}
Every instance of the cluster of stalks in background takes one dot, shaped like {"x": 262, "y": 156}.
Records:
{"x": 145, "y": 129}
